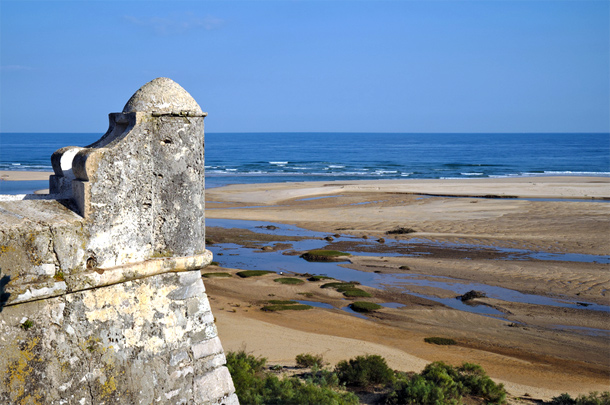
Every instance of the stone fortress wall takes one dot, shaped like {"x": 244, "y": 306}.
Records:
{"x": 101, "y": 297}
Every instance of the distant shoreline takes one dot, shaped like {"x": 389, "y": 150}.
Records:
{"x": 24, "y": 175}
{"x": 560, "y": 187}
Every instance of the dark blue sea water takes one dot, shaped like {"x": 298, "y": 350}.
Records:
{"x": 279, "y": 157}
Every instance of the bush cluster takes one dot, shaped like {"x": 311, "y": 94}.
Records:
{"x": 254, "y": 385}
{"x": 437, "y": 384}
{"x": 364, "y": 371}
{"x": 306, "y": 360}
{"x": 441, "y": 383}
{"x": 594, "y": 398}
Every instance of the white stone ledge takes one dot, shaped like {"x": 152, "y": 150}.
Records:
{"x": 20, "y": 293}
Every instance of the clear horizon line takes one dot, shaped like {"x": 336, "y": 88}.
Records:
{"x": 342, "y": 132}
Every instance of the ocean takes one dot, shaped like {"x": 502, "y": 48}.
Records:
{"x": 281, "y": 157}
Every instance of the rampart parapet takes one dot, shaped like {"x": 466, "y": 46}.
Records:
{"x": 101, "y": 297}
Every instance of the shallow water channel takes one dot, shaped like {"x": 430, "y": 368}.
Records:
{"x": 236, "y": 256}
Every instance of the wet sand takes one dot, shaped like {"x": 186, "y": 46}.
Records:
{"x": 536, "y": 349}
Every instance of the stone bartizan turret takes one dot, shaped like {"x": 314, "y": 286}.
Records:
{"x": 101, "y": 297}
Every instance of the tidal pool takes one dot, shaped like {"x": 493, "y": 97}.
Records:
{"x": 236, "y": 256}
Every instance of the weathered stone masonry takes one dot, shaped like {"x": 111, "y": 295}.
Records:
{"x": 101, "y": 297}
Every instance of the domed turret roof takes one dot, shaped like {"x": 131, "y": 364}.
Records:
{"x": 164, "y": 96}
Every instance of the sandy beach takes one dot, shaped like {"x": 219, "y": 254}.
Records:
{"x": 468, "y": 236}
{"x": 14, "y": 175}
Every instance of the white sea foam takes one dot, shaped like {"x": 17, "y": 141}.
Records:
{"x": 472, "y": 174}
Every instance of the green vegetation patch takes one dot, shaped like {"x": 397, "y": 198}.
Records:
{"x": 348, "y": 289}
{"x": 282, "y": 302}
{"x": 280, "y": 305}
{"x": 355, "y": 292}
{"x": 318, "y": 278}
{"x": 255, "y": 385}
{"x": 324, "y": 256}
{"x": 363, "y": 306}
{"x": 307, "y": 360}
{"x": 365, "y": 371}
{"x": 337, "y": 285}
{"x": 400, "y": 231}
{"x": 437, "y": 384}
{"x": 253, "y": 273}
{"x": 440, "y": 383}
{"x": 27, "y": 324}
{"x": 594, "y": 398}
{"x": 435, "y": 340}
{"x": 216, "y": 275}
{"x": 289, "y": 280}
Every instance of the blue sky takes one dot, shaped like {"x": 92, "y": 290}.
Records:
{"x": 348, "y": 66}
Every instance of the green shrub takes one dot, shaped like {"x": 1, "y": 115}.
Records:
{"x": 255, "y": 386}
{"x": 364, "y": 371}
{"x": 289, "y": 280}
{"x": 324, "y": 255}
{"x": 440, "y": 383}
{"x": 594, "y": 398}
{"x": 362, "y": 306}
{"x": 318, "y": 278}
{"x": 440, "y": 341}
{"x": 216, "y": 275}
{"x": 306, "y": 360}
{"x": 253, "y": 273}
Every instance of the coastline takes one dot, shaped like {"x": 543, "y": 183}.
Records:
{"x": 461, "y": 237}
{"x": 523, "y": 349}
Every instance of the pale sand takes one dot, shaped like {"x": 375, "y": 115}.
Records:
{"x": 14, "y": 175}
{"x": 533, "y": 358}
